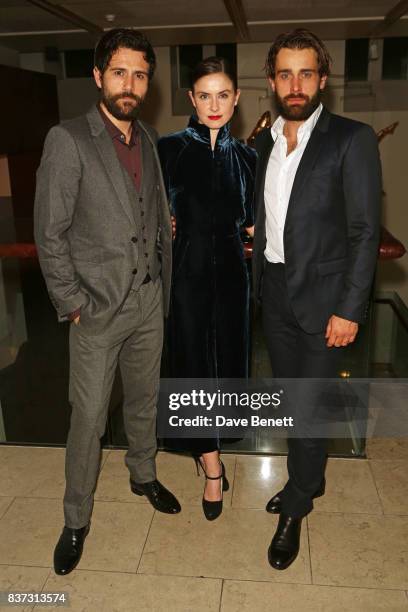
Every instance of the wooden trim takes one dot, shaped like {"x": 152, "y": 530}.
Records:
{"x": 237, "y": 13}
{"x": 393, "y": 15}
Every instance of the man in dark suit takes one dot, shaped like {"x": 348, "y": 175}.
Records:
{"x": 318, "y": 192}
{"x": 103, "y": 232}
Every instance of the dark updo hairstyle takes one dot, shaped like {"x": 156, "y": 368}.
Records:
{"x": 123, "y": 38}
{"x": 214, "y": 65}
{"x": 299, "y": 39}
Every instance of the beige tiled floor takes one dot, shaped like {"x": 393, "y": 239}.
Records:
{"x": 354, "y": 552}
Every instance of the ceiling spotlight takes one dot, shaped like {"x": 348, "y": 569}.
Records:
{"x": 110, "y": 17}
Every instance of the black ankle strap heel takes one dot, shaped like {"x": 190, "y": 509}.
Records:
{"x": 213, "y": 509}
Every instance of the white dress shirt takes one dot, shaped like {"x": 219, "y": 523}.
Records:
{"x": 280, "y": 174}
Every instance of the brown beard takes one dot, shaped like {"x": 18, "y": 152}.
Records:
{"x": 298, "y": 112}
{"x": 111, "y": 103}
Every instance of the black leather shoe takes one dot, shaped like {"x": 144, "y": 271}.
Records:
{"x": 160, "y": 497}
{"x": 284, "y": 547}
{"x": 69, "y": 549}
{"x": 274, "y": 505}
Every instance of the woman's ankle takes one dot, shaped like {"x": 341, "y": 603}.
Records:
{"x": 211, "y": 463}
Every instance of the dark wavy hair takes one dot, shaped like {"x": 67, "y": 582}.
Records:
{"x": 298, "y": 39}
{"x": 123, "y": 38}
{"x": 213, "y": 65}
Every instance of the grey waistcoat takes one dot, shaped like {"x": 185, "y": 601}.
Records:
{"x": 145, "y": 211}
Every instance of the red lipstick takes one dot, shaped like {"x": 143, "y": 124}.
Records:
{"x": 214, "y": 117}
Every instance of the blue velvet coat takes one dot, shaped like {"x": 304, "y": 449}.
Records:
{"x": 211, "y": 197}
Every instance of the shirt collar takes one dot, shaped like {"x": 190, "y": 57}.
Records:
{"x": 306, "y": 127}
{"x": 115, "y": 132}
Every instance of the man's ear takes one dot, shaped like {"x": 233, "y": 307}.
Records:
{"x": 191, "y": 96}
{"x": 323, "y": 81}
{"x": 98, "y": 77}
{"x": 272, "y": 83}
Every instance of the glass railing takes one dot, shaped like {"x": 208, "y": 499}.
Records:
{"x": 34, "y": 365}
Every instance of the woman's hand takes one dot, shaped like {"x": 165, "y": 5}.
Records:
{"x": 250, "y": 231}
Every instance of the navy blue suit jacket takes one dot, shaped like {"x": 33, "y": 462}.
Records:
{"x": 331, "y": 232}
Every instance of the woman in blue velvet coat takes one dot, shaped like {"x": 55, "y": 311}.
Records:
{"x": 209, "y": 177}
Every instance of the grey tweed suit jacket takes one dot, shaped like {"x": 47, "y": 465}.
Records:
{"x": 84, "y": 223}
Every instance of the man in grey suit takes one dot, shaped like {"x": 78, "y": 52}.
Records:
{"x": 103, "y": 233}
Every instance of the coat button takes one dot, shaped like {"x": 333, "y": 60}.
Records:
{"x": 134, "y": 239}
{"x": 134, "y": 271}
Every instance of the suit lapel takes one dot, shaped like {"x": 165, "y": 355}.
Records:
{"x": 106, "y": 150}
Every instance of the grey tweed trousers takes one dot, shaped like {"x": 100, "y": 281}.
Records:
{"x": 134, "y": 342}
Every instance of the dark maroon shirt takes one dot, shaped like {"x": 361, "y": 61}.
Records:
{"x": 130, "y": 155}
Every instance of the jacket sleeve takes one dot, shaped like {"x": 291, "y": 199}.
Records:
{"x": 58, "y": 179}
{"x": 362, "y": 186}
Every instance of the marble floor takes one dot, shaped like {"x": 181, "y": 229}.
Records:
{"x": 354, "y": 550}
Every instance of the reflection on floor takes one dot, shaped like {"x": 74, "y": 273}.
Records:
{"x": 354, "y": 553}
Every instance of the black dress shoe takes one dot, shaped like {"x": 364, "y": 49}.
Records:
{"x": 160, "y": 497}
{"x": 274, "y": 505}
{"x": 284, "y": 547}
{"x": 69, "y": 549}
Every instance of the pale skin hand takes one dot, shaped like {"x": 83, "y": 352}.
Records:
{"x": 340, "y": 332}
{"x": 250, "y": 231}
{"x": 76, "y": 320}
